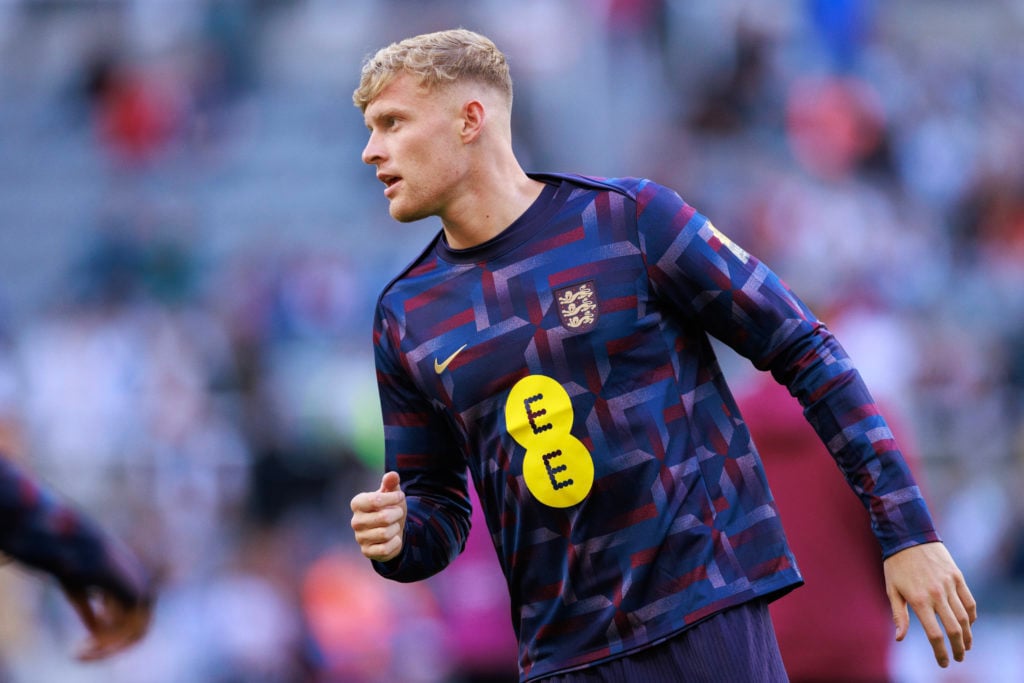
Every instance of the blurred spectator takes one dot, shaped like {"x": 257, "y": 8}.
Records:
{"x": 135, "y": 115}
{"x": 734, "y": 95}
{"x": 838, "y": 626}
{"x": 834, "y": 125}
{"x": 368, "y": 632}
{"x": 844, "y": 27}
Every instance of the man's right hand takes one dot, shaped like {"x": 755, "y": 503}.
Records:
{"x": 378, "y": 519}
{"x": 113, "y": 625}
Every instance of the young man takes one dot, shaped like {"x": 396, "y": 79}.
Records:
{"x": 104, "y": 582}
{"x": 553, "y": 338}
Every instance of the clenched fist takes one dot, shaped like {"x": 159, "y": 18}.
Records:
{"x": 378, "y": 519}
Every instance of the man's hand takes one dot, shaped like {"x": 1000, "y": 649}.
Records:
{"x": 113, "y": 625}
{"x": 925, "y": 577}
{"x": 378, "y": 519}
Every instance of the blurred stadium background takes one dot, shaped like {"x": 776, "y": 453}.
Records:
{"x": 190, "y": 251}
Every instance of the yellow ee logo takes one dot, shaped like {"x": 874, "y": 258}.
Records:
{"x": 557, "y": 467}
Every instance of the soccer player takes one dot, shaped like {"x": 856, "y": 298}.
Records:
{"x": 109, "y": 589}
{"x": 553, "y": 339}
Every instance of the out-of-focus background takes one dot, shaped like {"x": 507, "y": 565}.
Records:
{"x": 190, "y": 252}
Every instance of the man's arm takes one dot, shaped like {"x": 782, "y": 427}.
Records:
{"x": 742, "y": 302}
{"x": 105, "y": 583}
{"x": 431, "y": 506}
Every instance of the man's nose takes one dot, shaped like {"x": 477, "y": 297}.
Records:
{"x": 371, "y": 152}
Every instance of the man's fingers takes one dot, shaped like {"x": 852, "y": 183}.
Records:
{"x": 967, "y": 599}
{"x": 954, "y": 631}
{"x": 925, "y": 577}
{"x": 378, "y": 535}
{"x": 79, "y": 600}
{"x": 378, "y": 519}
{"x": 945, "y": 611}
{"x": 93, "y": 649}
{"x": 900, "y": 616}
{"x": 382, "y": 551}
{"x": 376, "y": 526}
{"x": 105, "y": 645}
{"x": 383, "y": 518}
{"x": 117, "y": 628}
{"x": 376, "y": 500}
{"x": 935, "y": 635}
{"x": 963, "y": 611}
{"x": 961, "y": 614}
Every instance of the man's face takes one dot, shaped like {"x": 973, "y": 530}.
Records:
{"x": 415, "y": 145}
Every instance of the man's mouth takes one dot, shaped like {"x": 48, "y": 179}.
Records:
{"x": 389, "y": 182}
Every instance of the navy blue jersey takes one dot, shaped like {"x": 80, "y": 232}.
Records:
{"x": 567, "y": 364}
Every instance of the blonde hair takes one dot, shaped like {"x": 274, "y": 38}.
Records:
{"x": 438, "y": 59}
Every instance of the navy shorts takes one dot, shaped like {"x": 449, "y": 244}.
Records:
{"x": 736, "y": 645}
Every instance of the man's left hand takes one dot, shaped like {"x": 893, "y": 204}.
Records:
{"x": 926, "y": 578}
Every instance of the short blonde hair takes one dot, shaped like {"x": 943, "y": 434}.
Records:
{"x": 438, "y": 59}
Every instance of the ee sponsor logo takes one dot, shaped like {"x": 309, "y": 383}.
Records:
{"x": 558, "y": 468}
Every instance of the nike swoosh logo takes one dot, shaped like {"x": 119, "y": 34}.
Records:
{"x": 440, "y": 367}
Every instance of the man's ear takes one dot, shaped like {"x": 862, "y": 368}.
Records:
{"x": 473, "y": 116}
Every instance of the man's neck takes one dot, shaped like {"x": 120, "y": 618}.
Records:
{"x": 488, "y": 209}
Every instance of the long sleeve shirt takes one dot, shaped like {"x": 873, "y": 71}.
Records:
{"x": 567, "y": 364}
{"x": 43, "y": 531}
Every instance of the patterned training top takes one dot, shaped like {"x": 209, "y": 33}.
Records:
{"x": 567, "y": 363}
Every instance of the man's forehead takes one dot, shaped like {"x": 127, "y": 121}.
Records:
{"x": 406, "y": 92}
{"x": 405, "y": 84}
{"x": 401, "y": 86}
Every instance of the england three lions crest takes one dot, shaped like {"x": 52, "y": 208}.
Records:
{"x": 577, "y": 306}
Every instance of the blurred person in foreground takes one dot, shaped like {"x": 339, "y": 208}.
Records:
{"x": 838, "y": 626}
{"x": 104, "y": 582}
{"x": 553, "y": 337}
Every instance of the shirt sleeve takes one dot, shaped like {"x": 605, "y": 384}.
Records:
{"x": 736, "y": 298}
{"x": 419, "y": 446}
{"x": 40, "y": 530}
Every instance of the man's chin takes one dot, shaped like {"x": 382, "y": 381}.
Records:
{"x": 405, "y": 215}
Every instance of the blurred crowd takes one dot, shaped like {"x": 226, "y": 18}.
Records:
{"x": 191, "y": 253}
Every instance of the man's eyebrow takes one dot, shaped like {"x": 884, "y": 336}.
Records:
{"x": 385, "y": 113}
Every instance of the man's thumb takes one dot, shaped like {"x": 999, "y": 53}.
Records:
{"x": 390, "y": 482}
